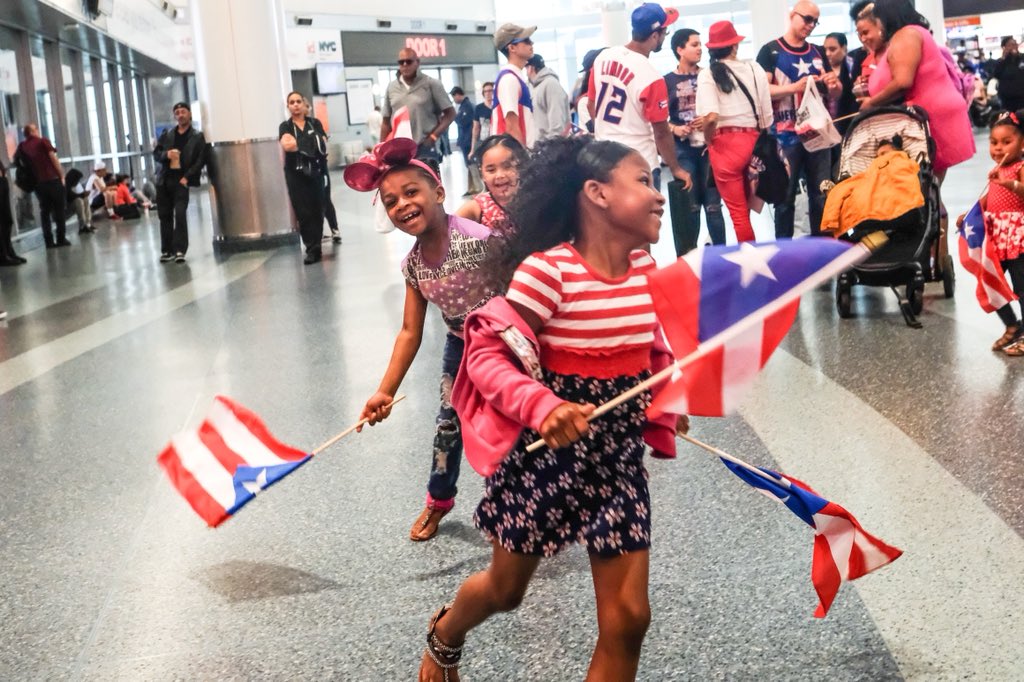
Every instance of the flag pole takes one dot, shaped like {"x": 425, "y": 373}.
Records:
{"x": 352, "y": 428}
{"x": 735, "y": 460}
{"x": 853, "y": 255}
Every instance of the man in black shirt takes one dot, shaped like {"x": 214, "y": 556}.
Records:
{"x": 1010, "y": 73}
{"x": 180, "y": 153}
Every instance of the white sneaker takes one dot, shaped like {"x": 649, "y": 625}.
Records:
{"x": 3, "y": 314}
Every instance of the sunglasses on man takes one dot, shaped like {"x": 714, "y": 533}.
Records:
{"x": 407, "y": 62}
{"x": 524, "y": 41}
{"x": 808, "y": 19}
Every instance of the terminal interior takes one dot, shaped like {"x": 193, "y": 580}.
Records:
{"x": 107, "y": 574}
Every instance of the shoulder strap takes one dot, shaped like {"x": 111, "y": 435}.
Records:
{"x": 757, "y": 116}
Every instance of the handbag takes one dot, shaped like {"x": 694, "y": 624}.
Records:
{"x": 24, "y": 174}
{"x": 305, "y": 163}
{"x": 814, "y": 124}
{"x": 772, "y": 170}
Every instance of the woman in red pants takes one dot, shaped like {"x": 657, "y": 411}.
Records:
{"x": 732, "y": 119}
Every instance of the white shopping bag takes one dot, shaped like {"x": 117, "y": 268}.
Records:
{"x": 814, "y": 124}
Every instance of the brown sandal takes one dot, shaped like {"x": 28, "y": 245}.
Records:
{"x": 427, "y": 523}
{"x": 444, "y": 656}
{"x": 1007, "y": 338}
{"x": 1015, "y": 349}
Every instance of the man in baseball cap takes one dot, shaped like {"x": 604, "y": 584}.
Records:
{"x": 650, "y": 17}
{"x": 513, "y": 99}
{"x": 633, "y": 106}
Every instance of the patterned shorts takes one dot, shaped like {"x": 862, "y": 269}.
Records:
{"x": 593, "y": 492}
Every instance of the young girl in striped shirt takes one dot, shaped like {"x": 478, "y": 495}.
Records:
{"x": 584, "y": 211}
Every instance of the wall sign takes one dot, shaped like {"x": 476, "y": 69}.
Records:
{"x": 364, "y": 48}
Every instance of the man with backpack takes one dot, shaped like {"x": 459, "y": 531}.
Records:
{"x": 789, "y": 61}
{"x": 38, "y": 170}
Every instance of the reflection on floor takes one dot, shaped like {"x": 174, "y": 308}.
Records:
{"x": 106, "y": 574}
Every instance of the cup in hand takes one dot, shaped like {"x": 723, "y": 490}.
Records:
{"x": 174, "y": 156}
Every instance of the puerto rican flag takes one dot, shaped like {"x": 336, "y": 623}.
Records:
{"x": 401, "y": 125}
{"x": 843, "y": 550}
{"x": 977, "y": 255}
{"x": 226, "y": 461}
{"x": 725, "y": 309}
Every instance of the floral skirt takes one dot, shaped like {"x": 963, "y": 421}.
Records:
{"x": 593, "y": 491}
{"x": 1007, "y": 233}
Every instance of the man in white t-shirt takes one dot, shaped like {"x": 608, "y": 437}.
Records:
{"x": 628, "y": 97}
{"x": 513, "y": 99}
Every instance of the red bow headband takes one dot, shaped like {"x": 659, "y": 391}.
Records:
{"x": 365, "y": 174}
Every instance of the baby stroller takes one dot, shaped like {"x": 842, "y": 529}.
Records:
{"x": 906, "y": 261}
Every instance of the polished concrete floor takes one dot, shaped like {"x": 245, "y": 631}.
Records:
{"x": 106, "y": 574}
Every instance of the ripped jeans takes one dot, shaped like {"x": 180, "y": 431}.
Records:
{"x": 444, "y": 466}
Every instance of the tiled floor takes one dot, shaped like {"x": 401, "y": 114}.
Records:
{"x": 105, "y": 573}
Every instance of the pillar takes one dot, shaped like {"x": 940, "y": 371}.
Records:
{"x": 242, "y": 77}
{"x": 933, "y": 12}
{"x": 615, "y": 24}
{"x": 769, "y": 19}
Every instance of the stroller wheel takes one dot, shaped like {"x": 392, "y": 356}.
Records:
{"x": 948, "y": 277}
{"x": 915, "y": 295}
{"x": 844, "y": 301}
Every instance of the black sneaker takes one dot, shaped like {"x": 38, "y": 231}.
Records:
{"x": 166, "y": 258}
{"x": 179, "y": 257}
{"x": 336, "y": 236}
{"x": 312, "y": 257}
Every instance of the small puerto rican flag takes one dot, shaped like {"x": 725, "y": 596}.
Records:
{"x": 226, "y": 461}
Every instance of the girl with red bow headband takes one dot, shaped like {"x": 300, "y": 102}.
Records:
{"x": 445, "y": 267}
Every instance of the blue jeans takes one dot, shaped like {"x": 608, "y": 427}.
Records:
{"x": 444, "y": 465}
{"x": 696, "y": 162}
{"x": 816, "y": 166}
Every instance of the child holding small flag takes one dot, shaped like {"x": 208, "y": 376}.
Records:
{"x": 1003, "y": 207}
{"x": 446, "y": 268}
{"x": 579, "y": 294}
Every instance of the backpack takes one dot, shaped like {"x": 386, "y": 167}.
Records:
{"x": 963, "y": 82}
{"x": 24, "y": 174}
{"x": 772, "y": 171}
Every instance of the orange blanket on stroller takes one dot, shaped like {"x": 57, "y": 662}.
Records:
{"x": 888, "y": 189}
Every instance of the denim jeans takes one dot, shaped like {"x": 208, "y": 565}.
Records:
{"x": 447, "y": 453}
{"x": 697, "y": 163}
{"x": 817, "y": 166}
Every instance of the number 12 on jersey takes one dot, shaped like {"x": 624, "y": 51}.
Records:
{"x": 615, "y": 105}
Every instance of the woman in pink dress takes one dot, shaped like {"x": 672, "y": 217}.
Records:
{"x": 915, "y": 71}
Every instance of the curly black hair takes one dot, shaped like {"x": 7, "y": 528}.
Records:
{"x": 1008, "y": 118}
{"x": 545, "y": 209}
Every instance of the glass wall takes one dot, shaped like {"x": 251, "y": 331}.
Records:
{"x": 10, "y": 92}
{"x": 44, "y": 103}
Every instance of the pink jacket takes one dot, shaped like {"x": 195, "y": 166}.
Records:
{"x": 495, "y": 397}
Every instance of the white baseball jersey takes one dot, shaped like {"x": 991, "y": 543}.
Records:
{"x": 628, "y": 96}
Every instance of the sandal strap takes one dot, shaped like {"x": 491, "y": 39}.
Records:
{"x": 444, "y": 655}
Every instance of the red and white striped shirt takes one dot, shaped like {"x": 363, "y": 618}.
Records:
{"x": 592, "y": 325}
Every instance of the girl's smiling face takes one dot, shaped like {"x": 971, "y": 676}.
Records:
{"x": 414, "y": 203}
{"x": 638, "y": 207}
{"x": 1005, "y": 142}
{"x": 500, "y": 172}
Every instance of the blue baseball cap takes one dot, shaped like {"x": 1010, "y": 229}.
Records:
{"x": 650, "y": 17}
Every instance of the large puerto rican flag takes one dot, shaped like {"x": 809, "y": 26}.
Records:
{"x": 843, "y": 550}
{"x": 725, "y": 309}
{"x": 978, "y": 257}
{"x": 221, "y": 465}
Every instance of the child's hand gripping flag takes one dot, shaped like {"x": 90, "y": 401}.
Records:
{"x": 977, "y": 255}
{"x": 725, "y": 309}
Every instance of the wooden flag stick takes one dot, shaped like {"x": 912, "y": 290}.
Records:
{"x": 734, "y": 460}
{"x": 352, "y": 428}
{"x": 843, "y": 118}
{"x": 854, "y": 255}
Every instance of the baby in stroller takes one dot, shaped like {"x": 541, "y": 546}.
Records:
{"x": 884, "y": 196}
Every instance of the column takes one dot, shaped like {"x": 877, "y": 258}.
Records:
{"x": 615, "y": 25}
{"x": 933, "y": 12}
{"x": 98, "y": 79}
{"x": 55, "y": 83}
{"x": 81, "y": 106}
{"x": 117, "y": 113}
{"x": 242, "y": 77}
{"x": 769, "y": 19}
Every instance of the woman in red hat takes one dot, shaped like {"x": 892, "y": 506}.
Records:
{"x": 734, "y": 100}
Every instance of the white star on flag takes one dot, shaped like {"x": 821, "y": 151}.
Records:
{"x": 258, "y": 485}
{"x": 968, "y": 230}
{"x": 803, "y": 68}
{"x": 753, "y": 261}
